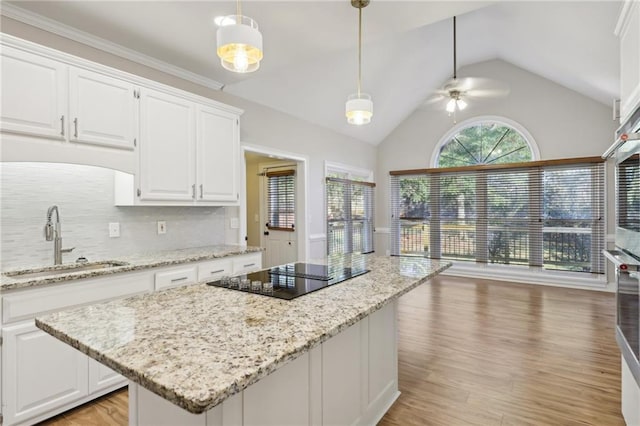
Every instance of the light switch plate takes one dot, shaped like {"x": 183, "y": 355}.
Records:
{"x": 162, "y": 227}
{"x": 114, "y": 229}
{"x": 233, "y": 223}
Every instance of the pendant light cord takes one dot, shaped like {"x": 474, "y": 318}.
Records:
{"x": 359, "y": 48}
{"x": 454, "y": 50}
{"x": 238, "y": 12}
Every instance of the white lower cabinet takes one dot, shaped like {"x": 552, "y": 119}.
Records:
{"x": 41, "y": 376}
{"x": 247, "y": 263}
{"x": 40, "y": 373}
{"x": 175, "y": 277}
{"x": 102, "y": 377}
{"x": 630, "y": 395}
{"x": 350, "y": 379}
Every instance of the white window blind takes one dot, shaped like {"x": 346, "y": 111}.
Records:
{"x": 281, "y": 200}
{"x": 350, "y": 216}
{"x": 628, "y": 198}
{"x": 546, "y": 214}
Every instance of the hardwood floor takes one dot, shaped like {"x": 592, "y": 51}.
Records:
{"x": 111, "y": 409}
{"x": 478, "y": 352}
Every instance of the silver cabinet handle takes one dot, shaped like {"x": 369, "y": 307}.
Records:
{"x": 75, "y": 124}
{"x": 62, "y": 125}
{"x": 201, "y": 191}
{"x": 217, "y": 272}
{"x": 193, "y": 191}
{"x": 250, "y": 264}
{"x": 175, "y": 280}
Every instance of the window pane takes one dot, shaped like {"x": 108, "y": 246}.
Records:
{"x": 281, "y": 201}
{"x": 484, "y": 143}
{"x": 569, "y": 215}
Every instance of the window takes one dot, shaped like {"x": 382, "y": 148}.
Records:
{"x": 484, "y": 141}
{"x": 547, "y": 214}
{"x": 281, "y": 200}
{"x": 350, "y": 208}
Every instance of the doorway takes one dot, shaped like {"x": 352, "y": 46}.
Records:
{"x": 275, "y": 208}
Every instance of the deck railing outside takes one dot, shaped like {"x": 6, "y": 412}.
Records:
{"x": 564, "y": 248}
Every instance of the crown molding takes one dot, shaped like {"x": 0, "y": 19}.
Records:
{"x": 36, "y": 20}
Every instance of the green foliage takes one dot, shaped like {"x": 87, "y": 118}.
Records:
{"x": 487, "y": 143}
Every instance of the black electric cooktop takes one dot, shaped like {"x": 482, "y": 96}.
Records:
{"x": 297, "y": 279}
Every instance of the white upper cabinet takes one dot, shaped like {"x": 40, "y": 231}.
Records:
{"x": 101, "y": 110}
{"x": 217, "y": 155}
{"x": 34, "y": 94}
{"x": 628, "y": 30}
{"x": 167, "y": 144}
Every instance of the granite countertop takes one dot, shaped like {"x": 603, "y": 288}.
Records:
{"x": 129, "y": 263}
{"x": 197, "y": 345}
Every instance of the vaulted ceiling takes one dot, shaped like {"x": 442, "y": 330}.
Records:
{"x": 310, "y": 64}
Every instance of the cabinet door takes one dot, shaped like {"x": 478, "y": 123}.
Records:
{"x": 101, "y": 109}
{"x": 167, "y": 145}
{"x": 39, "y": 373}
{"x": 102, "y": 377}
{"x": 341, "y": 378}
{"x": 34, "y": 95}
{"x": 217, "y": 153}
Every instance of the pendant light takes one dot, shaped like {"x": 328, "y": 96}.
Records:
{"x": 239, "y": 42}
{"x": 359, "y": 107}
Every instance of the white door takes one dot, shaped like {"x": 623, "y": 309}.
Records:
{"x": 167, "y": 147}
{"x": 39, "y": 373}
{"x": 101, "y": 109}
{"x": 34, "y": 95}
{"x": 279, "y": 215}
{"x": 217, "y": 152}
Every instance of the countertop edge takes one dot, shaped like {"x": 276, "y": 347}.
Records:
{"x": 198, "y": 407}
{"x": 16, "y": 284}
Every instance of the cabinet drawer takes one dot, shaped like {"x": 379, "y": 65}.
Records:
{"x": 211, "y": 271}
{"x": 176, "y": 277}
{"x": 30, "y": 302}
{"x": 247, "y": 263}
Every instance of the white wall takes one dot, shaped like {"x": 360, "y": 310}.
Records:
{"x": 563, "y": 123}
{"x": 84, "y": 196}
{"x": 260, "y": 125}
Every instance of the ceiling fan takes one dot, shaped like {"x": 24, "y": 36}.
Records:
{"x": 457, "y": 91}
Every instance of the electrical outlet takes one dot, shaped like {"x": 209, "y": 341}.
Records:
{"x": 114, "y": 229}
{"x": 162, "y": 227}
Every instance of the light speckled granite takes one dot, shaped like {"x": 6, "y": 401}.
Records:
{"x": 197, "y": 345}
{"x": 129, "y": 263}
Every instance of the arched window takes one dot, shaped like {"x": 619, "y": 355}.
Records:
{"x": 485, "y": 141}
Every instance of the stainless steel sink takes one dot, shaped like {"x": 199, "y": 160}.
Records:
{"x": 63, "y": 269}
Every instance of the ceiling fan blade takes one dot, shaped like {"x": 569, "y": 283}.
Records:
{"x": 433, "y": 100}
{"x": 487, "y": 93}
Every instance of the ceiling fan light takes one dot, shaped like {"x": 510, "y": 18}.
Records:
{"x": 239, "y": 45}
{"x": 451, "y": 105}
{"x": 359, "y": 109}
{"x": 461, "y": 104}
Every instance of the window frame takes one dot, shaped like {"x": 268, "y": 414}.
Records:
{"x": 288, "y": 173}
{"x": 536, "y": 168}
{"x": 349, "y": 173}
{"x": 502, "y": 121}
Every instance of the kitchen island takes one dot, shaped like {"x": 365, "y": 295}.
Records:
{"x": 212, "y": 351}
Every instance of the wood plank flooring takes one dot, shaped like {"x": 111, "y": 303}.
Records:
{"x": 479, "y": 352}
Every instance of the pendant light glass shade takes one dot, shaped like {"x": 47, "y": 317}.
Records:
{"x": 359, "y": 109}
{"x": 239, "y": 44}
{"x": 454, "y": 104}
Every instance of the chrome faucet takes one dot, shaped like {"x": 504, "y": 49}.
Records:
{"x": 55, "y": 235}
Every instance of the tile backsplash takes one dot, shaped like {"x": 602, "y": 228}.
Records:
{"x": 84, "y": 196}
